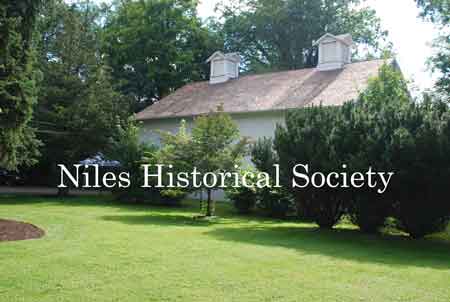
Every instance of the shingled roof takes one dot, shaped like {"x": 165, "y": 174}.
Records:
{"x": 267, "y": 92}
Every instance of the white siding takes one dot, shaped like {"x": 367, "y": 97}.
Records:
{"x": 252, "y": 125}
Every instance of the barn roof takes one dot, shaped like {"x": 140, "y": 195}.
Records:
{"x": 267, "y": 92}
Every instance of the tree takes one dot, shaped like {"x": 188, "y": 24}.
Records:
{"x": 18, "y": 76}
{"x": 156, "y": 47}
{"x": 278, "y": 35}
{"x": 217, "y": 146}
{"x": 438, "y": 12}
{"x": 126, "y": 148}
{"x": 78, "y": 106}
{"x": 213, "y": 147}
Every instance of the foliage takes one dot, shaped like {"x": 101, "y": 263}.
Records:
{"x": 438, "y": 12}
{"x": 78, "y": 105}
{"x": 264, "y": 156}
{"x": 385, "y": 130}
{"x": 213, "y": 147}
{"x": 156, "y": 47}
{"x": 273, "y": 202}
{"x": 389, "y": 132}
{"x": 306, "y": 139}
{"x": 244, "y": 199}
{"x": 419, "y": 155}
{"x": 177, "y": 151}
{"x": 18, "y": 77}
{"x": 126, "y": 148}
{"x": 278, "y": 35}
{"x": 362, "y": 136}
{"x": 440, "y": 62}
{"x": 217, "y": 146}
{"x": 172, "y": 197}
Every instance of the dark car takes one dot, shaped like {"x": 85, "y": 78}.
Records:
{"x": 8, "y": 178}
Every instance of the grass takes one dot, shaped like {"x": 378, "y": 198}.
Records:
{"x": 95, "y": 250}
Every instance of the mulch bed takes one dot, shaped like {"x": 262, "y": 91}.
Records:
{"x": 15, "y": 230}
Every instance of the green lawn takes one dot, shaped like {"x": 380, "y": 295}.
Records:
{"x": 100, "y": 251}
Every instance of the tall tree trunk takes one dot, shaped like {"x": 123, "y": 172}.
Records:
{"x": 209, "y": 207}
{"x": 201, "y": 201}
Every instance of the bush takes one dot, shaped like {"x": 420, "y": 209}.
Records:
{"x": 361, "y": 139}
{"x": 383, "y": 129}
{"x": 273, "y": 202}
{"x": 243, "y": 198}
{"x": 129, "y": 152}
{"x": 172, "y": 197}
{"x": 419, "y": 153}
{"x": 306, "y": 138}
{"x": 368, "y": 211}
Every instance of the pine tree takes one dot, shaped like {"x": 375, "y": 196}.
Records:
{"x": 18, "y": 76}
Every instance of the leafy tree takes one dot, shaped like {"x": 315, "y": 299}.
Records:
{"x": 18, "y": 76}
{"x": 274, "y": 34}
{"x": 78, "y": 107}
{"x": 156, "y": 47}
{"x": 435, "y": 10}
{"x": 177, "y": 149}
{"x": 212, "y": 147}
{"x": 217, "y": 146}
{"x": 438, "y": 11}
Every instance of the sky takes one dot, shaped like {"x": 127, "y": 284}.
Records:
{"x": 411, "y": 36}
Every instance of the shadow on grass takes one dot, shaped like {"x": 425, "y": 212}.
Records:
{"x": 305, "y": 238}
{"x": 94, "y": 201}
{"x": 158, "y": 220}
{"x": 344, "y": 244}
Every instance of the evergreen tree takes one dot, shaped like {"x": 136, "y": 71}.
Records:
{"x": 18, "y": 76}
{"x": 79, "y": 108}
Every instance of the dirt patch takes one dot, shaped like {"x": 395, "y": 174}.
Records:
{"x": 15, "y": 230}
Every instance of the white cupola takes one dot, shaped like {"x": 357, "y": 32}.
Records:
{"x": 334, "y": 51}
{"x": 223, "y": 67}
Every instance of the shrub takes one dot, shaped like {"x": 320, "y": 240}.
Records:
{"x": 361, "y": 138}
{"x": 243, "y": 198}
{"x": 172, "y": 197}
{"x": 273, "y": 202}
{"x": 419, "y": 153}
{"x": 264, "y": 156}
{"x": 306, "y": 139}
{"x": 129, "y": 152}
{"x": 368, "y": 211}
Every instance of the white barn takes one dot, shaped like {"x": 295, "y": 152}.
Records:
{"x": 258, "y": 102}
